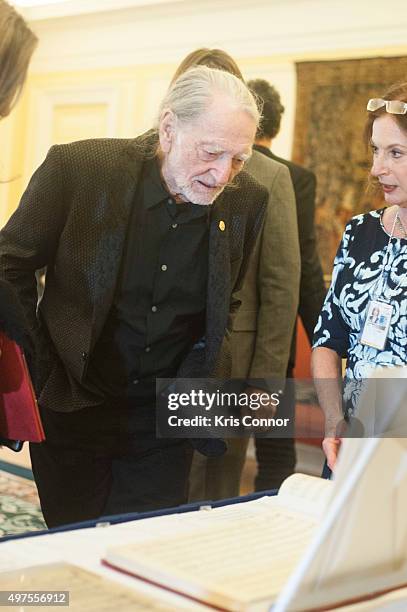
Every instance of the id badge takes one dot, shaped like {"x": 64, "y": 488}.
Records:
{"x": 377, "y": 324}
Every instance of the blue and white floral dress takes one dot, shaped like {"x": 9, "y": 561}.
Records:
{"x": 356, "y": 278}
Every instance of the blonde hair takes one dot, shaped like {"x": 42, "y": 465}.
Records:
{"x": 17, "y": 43}
{"x": 213, "y": 58}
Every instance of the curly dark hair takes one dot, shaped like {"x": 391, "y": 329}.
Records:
{"x": 272, "y": 108}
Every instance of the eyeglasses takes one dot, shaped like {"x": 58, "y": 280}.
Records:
{"x": 395, "y": 107}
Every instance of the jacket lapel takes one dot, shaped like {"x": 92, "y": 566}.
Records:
{"x": 217, "y": 306}
{"x": 115, "y": 208}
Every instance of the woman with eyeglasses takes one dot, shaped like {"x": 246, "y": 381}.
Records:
{"x": 17, "y": 43}
{"x": 369, "y": 280}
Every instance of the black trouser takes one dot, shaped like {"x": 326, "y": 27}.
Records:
{"x": 107, "y": 460}
{"x": 276, "y": 457}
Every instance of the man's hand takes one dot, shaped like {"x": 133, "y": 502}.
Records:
{"x": 331, "y": 446}
{"x": 268, "y": 406}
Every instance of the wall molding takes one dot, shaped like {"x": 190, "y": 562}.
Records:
{"x": 165, "y": 31}
{"x": 42, "y": 102}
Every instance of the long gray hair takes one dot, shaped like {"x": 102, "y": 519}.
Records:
{"x": 193, "y": 91}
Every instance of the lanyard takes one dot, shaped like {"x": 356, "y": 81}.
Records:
{"x": 380, "y": 280}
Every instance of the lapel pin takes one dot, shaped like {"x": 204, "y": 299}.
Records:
{"x": 222, "y": 226}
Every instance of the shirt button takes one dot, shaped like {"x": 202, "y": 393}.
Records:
{"x": 154, "y": 308}
{"x": 174, "y": 225}
{"x": 170, "y": 201}
{"x": 163, "y": 267}
{"x": 135, "y": 381}
{"x": 147, "y": 349}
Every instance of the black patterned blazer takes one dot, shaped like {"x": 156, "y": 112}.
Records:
{"x": 73, "y": 219}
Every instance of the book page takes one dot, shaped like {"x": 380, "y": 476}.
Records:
{"x": 305, "y": 494}
{"x": 353, "y": 555}
{"x": 88, "y": 592}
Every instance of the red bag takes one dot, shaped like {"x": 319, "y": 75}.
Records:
{"x": 19, "y": 415}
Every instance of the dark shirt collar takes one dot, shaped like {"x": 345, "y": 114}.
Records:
{"x": 155, "y": 192}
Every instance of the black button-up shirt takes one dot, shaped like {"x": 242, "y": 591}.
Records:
{"x": 158, "y": 311}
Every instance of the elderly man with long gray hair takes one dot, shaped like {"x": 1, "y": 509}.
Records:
{"x": 144, "y": 242}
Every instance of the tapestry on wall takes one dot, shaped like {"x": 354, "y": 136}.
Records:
{"x": 330, "y": 117}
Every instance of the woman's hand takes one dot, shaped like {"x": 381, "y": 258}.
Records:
{"x": 331, "y": 446}
{"x": 326, "y": 371}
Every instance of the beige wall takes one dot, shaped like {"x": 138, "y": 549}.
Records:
{"x": 103, "y": 74}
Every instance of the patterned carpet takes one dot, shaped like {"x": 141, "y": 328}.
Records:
{"x": 19, "y": 506}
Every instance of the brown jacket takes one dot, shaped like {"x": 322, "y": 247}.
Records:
{"x": 263, "y": 327}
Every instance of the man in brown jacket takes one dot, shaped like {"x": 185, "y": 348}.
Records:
{"x": 264, "y": 323}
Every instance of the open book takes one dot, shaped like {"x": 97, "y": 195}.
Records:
{"x": 235, "y": 556}
{"x": 317, "y": 545}
{"x": 57, "y": 585}
{"x": 360, "y": 549}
